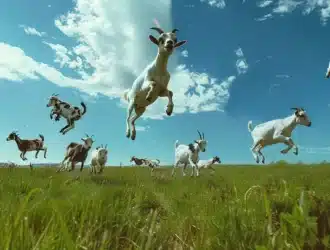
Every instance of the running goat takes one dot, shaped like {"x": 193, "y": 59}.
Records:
{"x": 99, "y": 159}
{"x": 189, "y": 154}
{"x": 69, "y": 112}
{"x": 28, "y": 145}
{"x": 76, "y": 152}
{"x": 277, "y": 131}
{"x": 152, "y": 82}
{"x": 208, "y": 163}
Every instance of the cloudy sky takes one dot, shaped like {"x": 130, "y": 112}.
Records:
{"x": 244, "y": 60}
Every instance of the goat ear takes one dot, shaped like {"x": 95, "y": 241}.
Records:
{"x": 180, "y": 43}
{"x": 153, "y": 39}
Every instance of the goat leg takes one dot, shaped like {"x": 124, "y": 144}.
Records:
{"x": 170, "y": 105}
{"x": 82, "y": 165}
{"x": 37, "y": 152}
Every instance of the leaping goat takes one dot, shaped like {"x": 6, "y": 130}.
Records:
{"x": 69, "y": 112}
{"x": 152, "y": 82}
{"x": 189, "y": 154}
{"x": 28, "y": 145}
{"x": 76, "y": 152}
{"x": 277, "y": 131}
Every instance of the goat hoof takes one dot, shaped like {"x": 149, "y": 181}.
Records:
{"x": 169, "y": 112}
{"x": 263, "y": 161}
{"x": 133, "y": 137}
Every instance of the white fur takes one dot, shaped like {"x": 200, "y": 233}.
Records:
{"x": 327, "y": 75}
{"x": 183, "y": 155}
{"x": 151, "y": 83}
{"x": 276, "y": 131}
{"x": 99, "y": 159}
{"x": 206, "y": 164}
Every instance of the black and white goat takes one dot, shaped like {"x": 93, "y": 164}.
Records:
{"x": 99, "y": 159}
{"x": 152, "y": 82}
{"x": 189, "y": 154}
{"x": 207, "y": 164}
{"x": 69, "y": 112}
{"x": 76, "y": 152}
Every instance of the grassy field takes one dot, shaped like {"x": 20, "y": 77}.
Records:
{"x": 262, "y": 207}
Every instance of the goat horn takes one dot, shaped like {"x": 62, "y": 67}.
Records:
{"x": 199, "y": 134}
{"x": 86, "y": 135}
{"x": 174, "y": 30}
{"x": 159, "y": 30}
{"x": 203, "y": 136}
{"x": 294, "y": 108}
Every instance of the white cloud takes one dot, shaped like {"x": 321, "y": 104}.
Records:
{"x": 265, "y": 17}
{"x": 264, "y": 3}
{"x": 307, "y": 6}
{"x": 111, "y": 49}
{"x": 241, "y": 64}
{"x": 282, "y": 76}
{"x": 184, "y": 53}
{"x": 32, "y": 31}
{"x": 215, "y": 3}
{"x": 142, "y": 128}
{"x": 315, "y": 150}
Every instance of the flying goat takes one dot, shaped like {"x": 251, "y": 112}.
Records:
{"x": 152, "y": 82}
{"x": 189, "y": 154}
{"x": 28, "y": 145}
{"x": 76, "y": 152}
{"x": 277, "y": 131}
{"x": 69, "y": 112}
{"x": 99, "y": 159}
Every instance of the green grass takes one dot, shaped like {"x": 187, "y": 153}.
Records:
{"x": 127, "y": 208}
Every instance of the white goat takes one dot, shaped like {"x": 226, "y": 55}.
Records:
{"x": 69, "y": 112}
{"x": 188, "y": 154}
{"x": 327, "y": 75}
{"x": 208, "y": 163}
{"x": 152, "y": 82}
{"x": 99, "y": 159}
{"x": 277, "y": 131}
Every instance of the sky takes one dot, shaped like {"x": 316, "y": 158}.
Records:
{"x": 244, "y": 60}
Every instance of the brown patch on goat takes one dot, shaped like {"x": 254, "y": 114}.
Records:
{"x": 25, "y": 145}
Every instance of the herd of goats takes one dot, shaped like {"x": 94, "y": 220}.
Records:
{"x": 147, "y": 87}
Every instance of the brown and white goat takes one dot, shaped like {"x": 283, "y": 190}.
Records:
{"x": 28, "y": 145}
{"x": 76, "y": 152}
{"x": 69, "y": 112}
{"x": 143, "y": 161}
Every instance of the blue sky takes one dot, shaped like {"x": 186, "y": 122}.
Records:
{"x": 243, "y": 61}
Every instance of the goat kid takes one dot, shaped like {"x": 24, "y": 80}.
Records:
{"x": 76, "y": 152}
{"x": 137, "y": 161}
{"x": 277, "y": 131}
{"x": 207, "y": 164}
{"x": 67, "y": 111}
{"x": 152, "y": 82}
{"x": 28, "y": 145}
{"x": 99, "y": 159}
{"x": 189, "y": 154}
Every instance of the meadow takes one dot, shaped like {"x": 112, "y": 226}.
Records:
{"x": 277, "y": 206}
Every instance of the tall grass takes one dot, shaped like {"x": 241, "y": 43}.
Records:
{"x": 266, "y": 207}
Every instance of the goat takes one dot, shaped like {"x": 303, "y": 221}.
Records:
{"x": 28, "y": 145}
{"x": 189, "y": 154}
{"x": 67, "y": 111}
{"x": 137, "y": 161}
{"x": 152, "y": 82}
{"x": 208, "y": 163}
{"x": 99, "y": 159}
{"x": 151, "y": 163}
{"x": 76, "y": 152}
{"x": 277, "y": 131}
{"x": 327, "y": 75}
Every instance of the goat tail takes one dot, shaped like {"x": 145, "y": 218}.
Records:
{"x": 176, "y": 144}
{"x": 42, "y": 137}
{"x": 250, "y": 127}
{"x": 84, "y": 108}
{"x": 126, "y": 95}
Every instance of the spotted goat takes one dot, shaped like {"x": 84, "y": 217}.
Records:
{"x": 25, "y": 145}
{"x": 76, "y": 152}
{"x": 67, "y": 111}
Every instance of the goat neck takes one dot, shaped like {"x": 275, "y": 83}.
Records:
{"x": 161, "y": 61}
{"x": 18, "y": 140}
{"x": 196, "y": 147}
{"x": 290, "y": 123}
